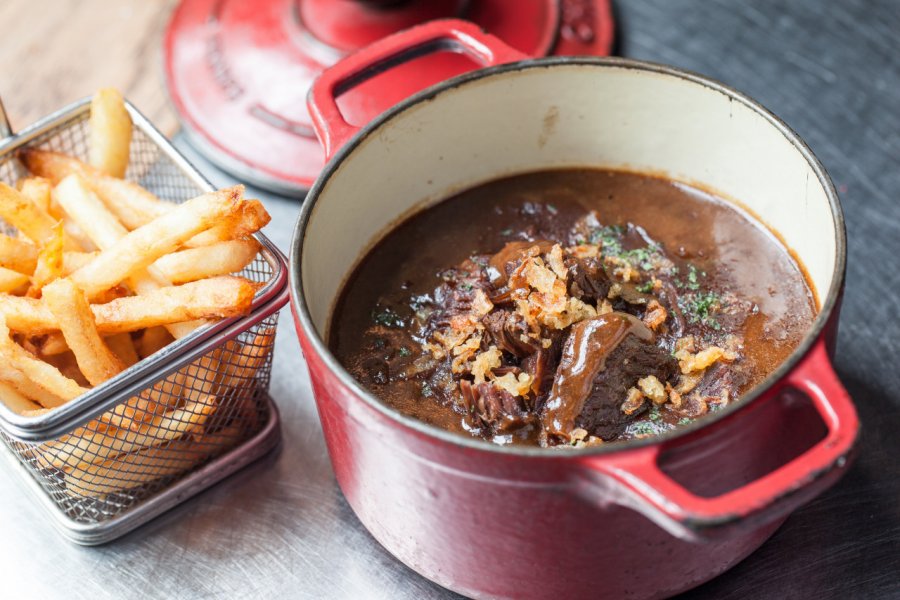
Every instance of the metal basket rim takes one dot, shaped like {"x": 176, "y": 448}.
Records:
{"x": 269, "y": 299}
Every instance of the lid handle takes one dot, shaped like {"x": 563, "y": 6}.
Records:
{"x": 451, "y": 35}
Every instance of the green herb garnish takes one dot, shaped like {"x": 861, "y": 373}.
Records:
{"x": 699, "y": 308}
{"x": 645, "y": 288}
{"x": 387, "y": 318}
{"x": 404, "y": 351}
{"x": 609, "y": 238}
{"x": 684, "y": 421}
{"x": 643, "y": 428}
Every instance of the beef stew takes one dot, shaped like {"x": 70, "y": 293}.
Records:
{"x": 570, "y": 308}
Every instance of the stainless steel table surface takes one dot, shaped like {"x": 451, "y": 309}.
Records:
{"x": 281, "y": 527}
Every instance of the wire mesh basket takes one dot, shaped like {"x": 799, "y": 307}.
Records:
{"x": 177, "y": 421}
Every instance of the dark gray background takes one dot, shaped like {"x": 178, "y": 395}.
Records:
{"x": 281, "y": 528}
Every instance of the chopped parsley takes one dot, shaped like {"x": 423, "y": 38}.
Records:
{"x": 698, "y": 308}
{"x": 465, "y": 285}
{"x": 427, "y": 391}
{"x": 645, "y": 288}
{"x": 643, "y": 428}
{"x": 387, "y": 318}
{"x": 684, "y": 421}
{"x": 404, "y": 351}
{"x": 379, "y": 343}
{"x": 654, "y": 415}
{"x": 609, "y": 238}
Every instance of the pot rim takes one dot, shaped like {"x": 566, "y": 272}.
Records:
{"x": 301, "y": 311}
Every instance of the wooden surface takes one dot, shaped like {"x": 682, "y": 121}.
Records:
{"x": 55, "y": 51}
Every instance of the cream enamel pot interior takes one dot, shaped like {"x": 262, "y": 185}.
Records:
{"x": 513, "y": 522}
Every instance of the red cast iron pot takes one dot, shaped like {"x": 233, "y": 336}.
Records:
{"x": 641, "y": 519}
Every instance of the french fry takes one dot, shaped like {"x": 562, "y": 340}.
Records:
{"x": 147, "y": 243}
{"x": 66, "y": 362}
{"x": 132, "y": 204}
{"x": 122, "y": 346}
{"x": 25, "y": 215}
{"x": 152, "y": 340}
{"x": 216, "y": 297}
{"x": 76, "y": 321}
{"x": 88, "y": 212}
{"x": 129, "y": 471}
{"x": 45, "y": 375}
{"x": 49, "y": 262}
{"x": 37, "y": 189}
{"x": 17, "y": 255}
{"x": 78, "y": 452}
{"x": 220, "y": 258}
{"x": 12, "y": 281}
{"x": 251, "y": 218}
{"x": 72, "y": 261}
{"x": 15, "y": 401}
{"x": 159, "y": 269}
{"x": 110, "y": 137}
{"x": 242, "y": 361}
{"x": 28, "y": 388}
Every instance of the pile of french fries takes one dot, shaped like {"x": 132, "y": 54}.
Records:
{"x": 101, "y": 274}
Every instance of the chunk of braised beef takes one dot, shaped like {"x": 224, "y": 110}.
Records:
{"x": 496, "y": 409}
{"x": 508, "y": 330}
{"x": 633, "y": 359}
{"x": 587, "y": 279}
{"x": 602, "y": 358}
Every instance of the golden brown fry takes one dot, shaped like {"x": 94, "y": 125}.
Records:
{"x": 216, "y": 297}
{"x": 95, "y": 446}
{"x": 152, "y": 340}
{"x": 251, "y": 218}
{"x": 146, "y": 244}
{"x": 27, "y": 387}
{"x": 12, "y": 281}
{"x": 37, "y": 189}
{"x": 72, "y": 261}
{"x": 87, "y": 211}
{"x": 45, "y": 375}
{"x": 242, "y": 361}
{"x": 17, "y": 255}
{"x": 123, "y": 347}
{"x": 15, "y": 401}
{"x": 110, "y": 137}
{"x": 128, "y": 471}
{"x": 76, "y": 321}
{"x": 49, "y": 262}
{"x": 67, "y": 364}
{"x": 25, "y": 215}
{"x": 220, "y": 258}
{"x": 132, "y": 204}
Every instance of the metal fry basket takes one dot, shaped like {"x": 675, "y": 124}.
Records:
{"x": 205, "y": 394}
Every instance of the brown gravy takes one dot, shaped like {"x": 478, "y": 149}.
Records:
{"x": 725, "y": 282}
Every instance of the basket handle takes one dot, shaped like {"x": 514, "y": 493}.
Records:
{"x": 441, "y": 35}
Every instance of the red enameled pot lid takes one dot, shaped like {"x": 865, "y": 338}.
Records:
{"x": 238, "y": 72}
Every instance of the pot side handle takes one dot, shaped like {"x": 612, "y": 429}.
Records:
{"x": 759, "y": 502}
{"x": 444, "y": 35}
